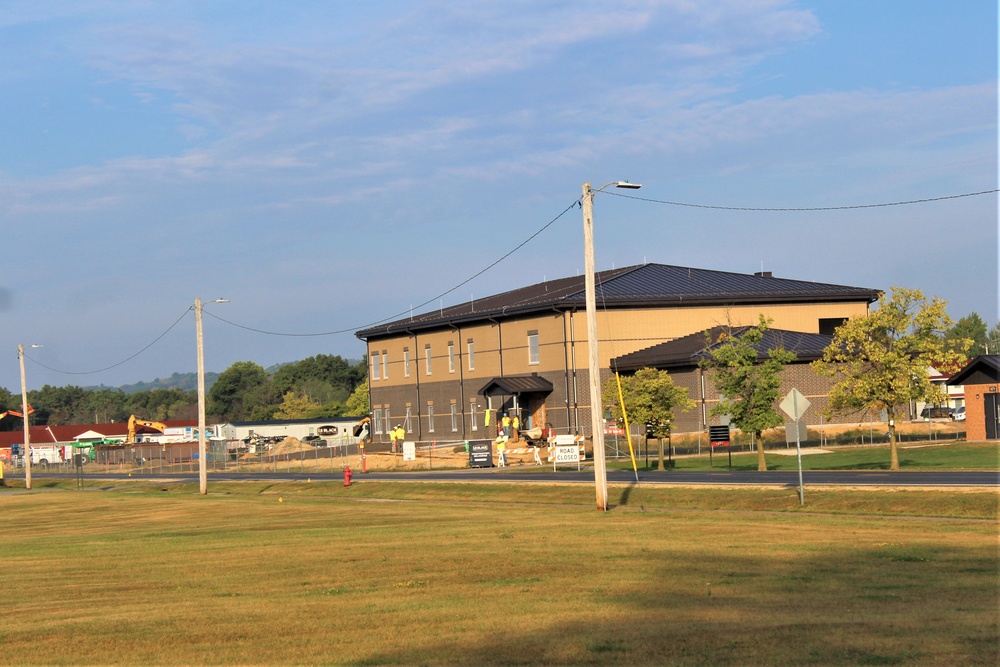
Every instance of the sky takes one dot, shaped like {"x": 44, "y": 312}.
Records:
{"x": 326, "y": 166}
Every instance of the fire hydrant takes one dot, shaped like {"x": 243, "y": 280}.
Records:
{"x": 347, "y": 475}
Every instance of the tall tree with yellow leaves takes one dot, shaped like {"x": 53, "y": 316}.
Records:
{"x": 881, "y": 361}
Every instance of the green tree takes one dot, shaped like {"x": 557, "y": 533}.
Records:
{"x": 748, "y": 377}
{"x": 358, "y": 404}
{"x": 8, "y": 402}
{"x": 58, "y": 406}
{"x": 971, "y": 327}
{"x": 880, "y": 361}
{"x": 241, "y": 393}
{"x": 650, "y": 397}
{"x": 294, "y": 405}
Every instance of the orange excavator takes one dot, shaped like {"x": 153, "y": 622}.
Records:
{"x": 15, "y": 413}
{"x": 135, "y": 422}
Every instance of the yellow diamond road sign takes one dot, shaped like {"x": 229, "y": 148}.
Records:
{"x": 795, "y": 404}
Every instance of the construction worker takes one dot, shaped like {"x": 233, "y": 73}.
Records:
{"x": 502, "y": 450}
{"x": 515, "y": 424}
{"x": 392, "y": 438}
{"x": 400, "y": 436}
{"x": 505, "y": 423}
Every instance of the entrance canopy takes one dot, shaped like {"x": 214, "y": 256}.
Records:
{"x": 516, "y": 384}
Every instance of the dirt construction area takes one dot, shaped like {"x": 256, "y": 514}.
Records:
{"x": 445, "y": 456}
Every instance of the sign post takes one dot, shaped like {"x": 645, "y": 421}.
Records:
{"x": 719, "y": 437}
{"x": 795, "y": 405}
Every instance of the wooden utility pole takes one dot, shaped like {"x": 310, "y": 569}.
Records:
{"x": 202, "y": 469}
{"x": 24, "y": 411}
{"x": 202, "y": 465}
{"x": 594, "y": 367}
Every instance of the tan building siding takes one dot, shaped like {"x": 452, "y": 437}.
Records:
{"x": 646, "y": 305}
{"x": 563, "y": 357}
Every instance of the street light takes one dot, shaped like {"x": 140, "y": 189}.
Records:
{"x": 202, "y": 470}
{"x": 596, "y": 409}
{"x": 24, "y": 416}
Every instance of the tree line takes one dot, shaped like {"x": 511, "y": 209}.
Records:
{"x": 320, "y": 386}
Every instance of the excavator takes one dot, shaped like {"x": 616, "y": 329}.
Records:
{"x": 15, "y": 413}
{"x": 134, "y": 422}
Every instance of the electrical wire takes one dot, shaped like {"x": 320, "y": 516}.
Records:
{"x": 116, "y": 365}
{"x": 804, "y": 208}
{"x": 420, "y": 305}
{"x": 501, "y": 259}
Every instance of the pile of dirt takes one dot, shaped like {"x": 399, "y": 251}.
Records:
{"x": 289, "y": 446}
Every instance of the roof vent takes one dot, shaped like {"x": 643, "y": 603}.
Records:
{"x": 763, "y": 274}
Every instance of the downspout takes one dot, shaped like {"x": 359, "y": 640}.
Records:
{"x": 499, "y": 341}
{"x": 500, "y": 353}
{"x": 576, "y": 387}
{"x": 416, "y": 368}
{"x": 461, "y": 382}
{"x": 565, "y": 362}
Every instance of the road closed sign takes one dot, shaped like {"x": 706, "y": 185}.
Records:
{"x": 567, "y": 454}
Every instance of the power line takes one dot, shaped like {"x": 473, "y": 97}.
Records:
{"x": 501, "y": 259}
{"x": 420, "y": 305}
{"x": 116, "y": 365}
{"x": 803, "y": 208}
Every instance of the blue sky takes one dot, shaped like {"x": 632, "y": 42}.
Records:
{"x": 310, "y": 161}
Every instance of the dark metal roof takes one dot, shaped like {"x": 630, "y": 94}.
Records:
{"x": 296, "y": 422}
{"x": 687, "y": 351}
{"x": 641, "y": 286}
{"x": 516, "y": 384}
{"x": 984, "y": 367}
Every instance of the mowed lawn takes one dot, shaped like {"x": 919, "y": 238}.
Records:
{"x": 392, "y": 573}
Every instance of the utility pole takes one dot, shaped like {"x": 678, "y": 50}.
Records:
{"x": 200, "y": 340}
{"x": 24, "y": 412}
{"x": 594, "y": 367}
{"x": 202, "y": 470}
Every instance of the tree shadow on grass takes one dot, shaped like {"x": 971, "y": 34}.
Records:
{"x": 854, "y": 608}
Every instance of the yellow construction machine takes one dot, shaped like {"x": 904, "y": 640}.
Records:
{"x": 134, "y": 422}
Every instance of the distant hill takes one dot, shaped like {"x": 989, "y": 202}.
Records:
{"x": 188, "y": 381}
{"x": 184, "y": 381}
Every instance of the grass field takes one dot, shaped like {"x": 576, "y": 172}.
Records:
{"x": 394, "y": 573}
{"x": 924, "y": 456}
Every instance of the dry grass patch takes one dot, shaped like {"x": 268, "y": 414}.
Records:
{"x": 145, "y": 576}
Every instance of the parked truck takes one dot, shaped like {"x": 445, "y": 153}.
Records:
{"x": 48, "y": 454}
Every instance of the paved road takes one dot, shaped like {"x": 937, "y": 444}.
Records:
{"x": 677, "y": 477}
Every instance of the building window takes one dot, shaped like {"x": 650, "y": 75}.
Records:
{"x": 375, "y": 365}
{"x": 451, "y": 357}
{"x": 377, "y": 420}
{"x": 532, "y": 347}
{"x": 427, "y": 357}
{"x": 472, "y": 355}
{"x": 406, "y": 423}
{"x": 472, "y": 416}
{"x": 430, "y": 417}
{"x": 827, "y": 325}
{"x": 388, "y": 421}
{"x": 454, "y": 418}
{"x": 406, "y": 361}
{"x": 385, "y": 365}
